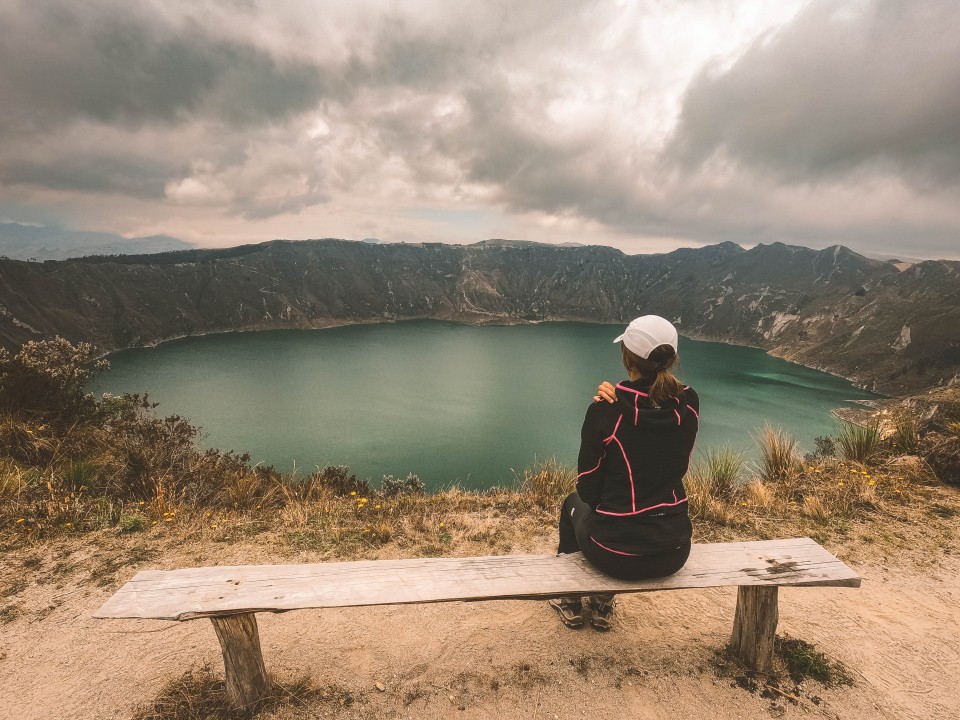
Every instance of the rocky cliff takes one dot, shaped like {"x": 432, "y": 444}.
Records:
{"x": 889, "y": 329}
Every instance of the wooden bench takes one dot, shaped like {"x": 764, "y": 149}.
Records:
{"x": 231, "y": 596}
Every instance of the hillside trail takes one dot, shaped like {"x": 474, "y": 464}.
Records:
{"x": 897, "y": 635}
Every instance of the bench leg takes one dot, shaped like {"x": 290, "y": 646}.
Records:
{"x": 755, "y": 626}
{"x": 242, "y": 660}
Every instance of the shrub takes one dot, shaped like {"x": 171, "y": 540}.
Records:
{"x": 46, "y": 379}
{"x": 339, "y": 480}
{"x": 858, "y": 443}
{"x": 779, "y": 461}
{"x": 824, "y": 447}
{"x": 412, "y": 485}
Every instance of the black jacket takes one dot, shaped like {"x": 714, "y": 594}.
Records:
{"x": 633, "y": 456}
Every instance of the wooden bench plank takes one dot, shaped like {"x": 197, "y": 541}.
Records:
{"x": 200, "y": 592}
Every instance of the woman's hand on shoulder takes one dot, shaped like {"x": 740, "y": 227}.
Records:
{"x": 605, "y": 391}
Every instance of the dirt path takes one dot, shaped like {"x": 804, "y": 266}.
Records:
{"x": 898, "y": 635}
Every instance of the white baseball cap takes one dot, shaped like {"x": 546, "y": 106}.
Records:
{"x": 648, "y": 332}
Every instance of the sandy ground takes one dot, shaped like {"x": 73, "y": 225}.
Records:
{"x": 898, "y": 635}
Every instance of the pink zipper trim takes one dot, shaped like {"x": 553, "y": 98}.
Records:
{"x": 633, "y": 497}
{"x": 614, "y": 434}
{"x": 618, "y": 552}
{"x": 652, "y": 507}
{"x": 599, "y": 462}
{"x": 635, "y": 392}
{"x": 694, "y": 412}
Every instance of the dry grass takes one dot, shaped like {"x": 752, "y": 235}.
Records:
{"x": 313, "y": 515}
{"x": 13, "y": 480}
{"x": 201, "y": 695}
{"x": 905, "y": 437}
{"x": 718, "y": 474}
{"x": 859, "y": 443}
{"x": 547, "y": 483}
{"x": 779, "y": 456}
{"x": 760, "y": 494}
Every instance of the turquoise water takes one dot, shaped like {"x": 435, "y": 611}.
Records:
{"x": 452, "y": 403}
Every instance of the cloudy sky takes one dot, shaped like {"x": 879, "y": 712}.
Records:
{"x": 643, "y": 125}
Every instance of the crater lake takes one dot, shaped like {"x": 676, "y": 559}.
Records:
{"x": 451, "y": 403}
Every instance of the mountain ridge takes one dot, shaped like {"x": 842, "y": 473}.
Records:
{"x": 29, "y": 242}
{"x": 889, "y": 330}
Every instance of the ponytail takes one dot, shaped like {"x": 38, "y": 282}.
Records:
{"x": 656, "y": 370}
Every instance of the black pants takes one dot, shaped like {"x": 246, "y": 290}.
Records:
{"x": 575, "y": 537}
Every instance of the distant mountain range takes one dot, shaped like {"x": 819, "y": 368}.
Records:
{"x": 885, "y": 327}
{"x": 28, "y": 242}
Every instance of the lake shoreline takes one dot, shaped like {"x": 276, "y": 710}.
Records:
{"x": 480, "y": 321}
{"x": 361, "y": 397}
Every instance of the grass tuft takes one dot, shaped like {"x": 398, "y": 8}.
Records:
{"x": 905, "y": 438}
{"x": 779, "y": 456}
{"x": 718, "y": 474}
{"x": 858, "y": 443}
{"x": 547, "y": 483}
{"x": 132, "y": 522}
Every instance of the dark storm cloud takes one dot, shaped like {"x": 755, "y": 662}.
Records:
{"x": 846, "y": 86}
{"x": 839, "y": 126}
{"x": 62, "y": 62}
{"x": 143, "y": 178}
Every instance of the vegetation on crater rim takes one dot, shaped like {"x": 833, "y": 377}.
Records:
{"x": 73, "y": 463}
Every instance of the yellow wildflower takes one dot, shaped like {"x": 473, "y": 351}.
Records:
{"x": 20, "y": 520}
{"x": 353, "y": 492}
{"x": 214, "y": 526}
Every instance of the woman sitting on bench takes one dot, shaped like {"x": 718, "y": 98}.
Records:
{"x": 628, "y": 515}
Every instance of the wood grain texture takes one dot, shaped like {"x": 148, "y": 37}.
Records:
{"x": 755, "y": 626}
{"x": 199, "y": 592}
{"x": 242, "y": 660}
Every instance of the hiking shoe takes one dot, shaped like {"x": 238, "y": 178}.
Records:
{"x": 602, "y": 607}
{"x": 570, "y": 609}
